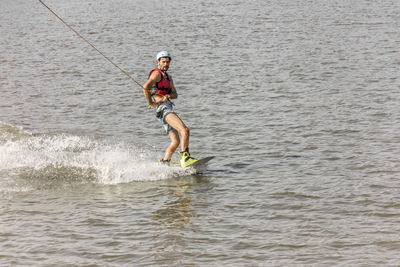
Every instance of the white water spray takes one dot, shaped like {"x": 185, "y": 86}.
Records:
{"x": 64, "y": 157}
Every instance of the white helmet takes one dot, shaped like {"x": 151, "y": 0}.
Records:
{"x": 163, "y": 54}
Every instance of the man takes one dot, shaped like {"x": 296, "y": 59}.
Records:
{"x": 158, "y": 90}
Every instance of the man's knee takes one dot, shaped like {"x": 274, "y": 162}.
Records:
{"x": 186, "y": 131}
{"x": 174, "y": 143}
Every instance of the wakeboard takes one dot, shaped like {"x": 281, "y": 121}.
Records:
{"x": 201, "y": 164}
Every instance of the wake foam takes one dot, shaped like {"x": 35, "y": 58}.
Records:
{"x": 62, "y": 159}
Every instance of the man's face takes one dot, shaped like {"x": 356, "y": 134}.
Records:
{"x": 163, "y": 63}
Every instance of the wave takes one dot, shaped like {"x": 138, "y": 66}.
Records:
{"x": 60, "y": 159}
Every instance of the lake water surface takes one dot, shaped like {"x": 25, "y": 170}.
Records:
{"x": 297, "y": 99}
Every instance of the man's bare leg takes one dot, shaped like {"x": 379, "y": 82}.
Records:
{"x": 175, "y": 122}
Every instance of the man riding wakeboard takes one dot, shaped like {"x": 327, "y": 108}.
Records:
{"x": 159, "y": 90}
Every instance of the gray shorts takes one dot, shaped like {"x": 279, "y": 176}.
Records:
{"x": 166, "y": 108}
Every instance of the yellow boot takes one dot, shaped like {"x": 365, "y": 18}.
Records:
{"x": 165, "y": 162}
{"x": 186, "y": 159}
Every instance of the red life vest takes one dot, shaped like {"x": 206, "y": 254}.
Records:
{"x": 164, "y": 85}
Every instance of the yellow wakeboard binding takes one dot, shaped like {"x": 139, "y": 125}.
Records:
{"x": 185, "y": 158}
